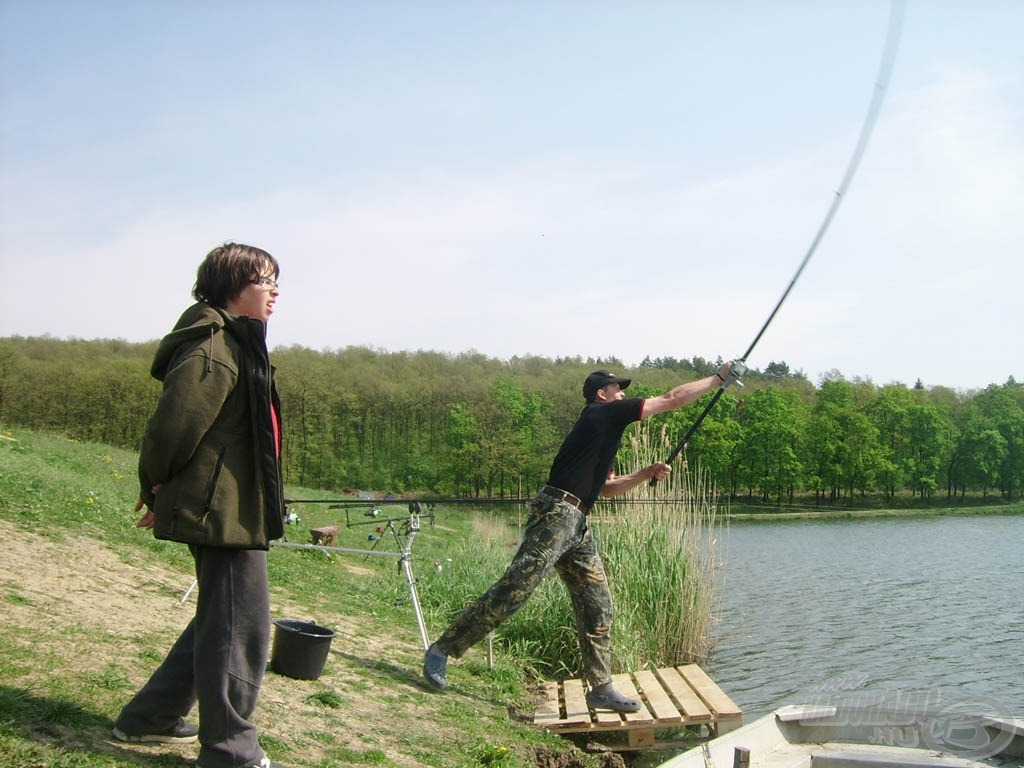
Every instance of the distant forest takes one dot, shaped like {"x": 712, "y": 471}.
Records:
{"x": 467, "y": 425}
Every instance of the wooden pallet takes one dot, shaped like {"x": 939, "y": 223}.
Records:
{"x": 675, "y": 697}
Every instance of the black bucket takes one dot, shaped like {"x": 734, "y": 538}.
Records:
{"x": 300, "y": 648}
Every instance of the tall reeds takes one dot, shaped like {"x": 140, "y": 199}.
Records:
{"x": 661, "y": 549}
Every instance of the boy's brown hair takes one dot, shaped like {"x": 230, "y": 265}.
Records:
{"x": 227, "y": 269}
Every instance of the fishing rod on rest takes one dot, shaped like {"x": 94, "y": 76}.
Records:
{"x": 428, "y": 500}
{"x": 882, "y": 82}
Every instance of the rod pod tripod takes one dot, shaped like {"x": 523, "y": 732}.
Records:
{"x": 411, "y": 527}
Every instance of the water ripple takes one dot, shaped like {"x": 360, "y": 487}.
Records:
{"x": 902, "y": 604}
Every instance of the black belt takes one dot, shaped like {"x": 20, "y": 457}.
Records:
{"x": 559, "y": 495}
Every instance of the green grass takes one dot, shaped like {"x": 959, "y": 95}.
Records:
{"x": 62, "y": 682}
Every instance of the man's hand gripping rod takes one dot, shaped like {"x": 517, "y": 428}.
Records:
{"x": 884, "y": 74}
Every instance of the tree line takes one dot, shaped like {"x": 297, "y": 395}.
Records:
{"x": 468, "y": 425}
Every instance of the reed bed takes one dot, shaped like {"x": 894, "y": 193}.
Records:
{"x": 661, "y": 550}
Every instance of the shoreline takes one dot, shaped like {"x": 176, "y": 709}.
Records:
{"x": 1015, "y": 508}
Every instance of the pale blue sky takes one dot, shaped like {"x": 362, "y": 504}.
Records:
{"x": 551, "y": 178}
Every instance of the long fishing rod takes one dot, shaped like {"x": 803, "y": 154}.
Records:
{"x": 881, "y": 84}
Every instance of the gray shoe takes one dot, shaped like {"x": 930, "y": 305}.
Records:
{"x": 606, "y": 697}
{"x": 181, "y": 733}
{"x": 434, "y": 664}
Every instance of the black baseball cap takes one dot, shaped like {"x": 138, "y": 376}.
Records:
{"x": 600, "y": 379}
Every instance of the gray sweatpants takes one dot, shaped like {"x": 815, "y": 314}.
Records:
{"x": 218, "y": 661}
{"x": 556, "y": 538}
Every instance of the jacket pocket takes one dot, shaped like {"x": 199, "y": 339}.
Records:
{"x": 187, "y": 505}
{"x": 214, "y": 481}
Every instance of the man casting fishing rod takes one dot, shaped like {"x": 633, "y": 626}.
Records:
{"x": 557, "y": 535}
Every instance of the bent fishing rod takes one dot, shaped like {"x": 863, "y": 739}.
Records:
{"x": 881, "y": 84}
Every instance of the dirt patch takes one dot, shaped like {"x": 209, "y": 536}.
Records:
{"x": 545, "y": 757}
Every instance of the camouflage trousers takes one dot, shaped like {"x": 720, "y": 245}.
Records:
{"x": 556, "y": 537}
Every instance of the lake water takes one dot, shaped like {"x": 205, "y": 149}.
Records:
{"x": 878, "y": 606}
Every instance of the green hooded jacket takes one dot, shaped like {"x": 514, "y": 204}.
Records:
{"x": 211, "y": 446}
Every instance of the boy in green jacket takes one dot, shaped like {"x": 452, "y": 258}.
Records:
{"x": 210, "y": 477}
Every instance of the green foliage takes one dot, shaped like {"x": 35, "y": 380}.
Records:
{"x": 471, "y": 426}
{"x": 768, "y": 454}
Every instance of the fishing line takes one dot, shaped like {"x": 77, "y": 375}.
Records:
{"x": 892, "y": 38}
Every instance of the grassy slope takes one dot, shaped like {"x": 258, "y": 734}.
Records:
{"x": 92, "y": 603}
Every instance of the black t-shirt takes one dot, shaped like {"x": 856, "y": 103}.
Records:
{"x": 582, "y": 464}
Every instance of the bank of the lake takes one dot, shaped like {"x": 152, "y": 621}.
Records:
{"x": 767, "y": 514}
